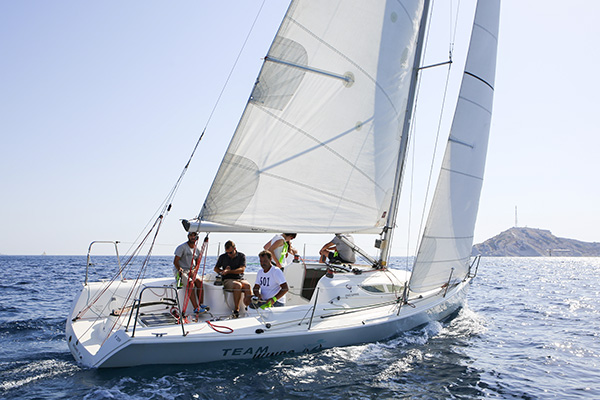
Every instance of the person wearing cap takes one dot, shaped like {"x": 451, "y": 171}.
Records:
{"x": 187, "y": 255}
{"x": 270, "y": 286}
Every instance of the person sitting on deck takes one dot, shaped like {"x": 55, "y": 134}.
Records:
{"x": 231, "y": 266}
{"x": 337, "y": 251}
{"x": 270, "y": 286}
{"x": 186, "y": 256}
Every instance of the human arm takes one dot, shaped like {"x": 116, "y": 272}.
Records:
{"x": 235, "y": 266}
{"x": 176, "y": 263}
{"x": 256, "y": 290}
{"x": 278, "y": 289}
{"x": 292, "y": 250}
{"x": 327, "y": 248}
{"x": 271, "y": 246}
{"x": 284, "y": 289}
{"x": 237, "y": 271}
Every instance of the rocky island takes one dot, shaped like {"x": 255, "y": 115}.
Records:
{"x": 530, "y": 242}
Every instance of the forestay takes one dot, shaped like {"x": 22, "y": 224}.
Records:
{"x": 448, "y": 236}
{"x": 317, "y": 146}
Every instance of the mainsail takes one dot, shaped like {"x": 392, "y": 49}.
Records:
{"x": 317, "y": 146}
{"x": 445, "y": 248}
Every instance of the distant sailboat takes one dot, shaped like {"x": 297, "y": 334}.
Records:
{"x": 335, "y": 94}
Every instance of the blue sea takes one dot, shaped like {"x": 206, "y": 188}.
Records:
{"x": 530, "y": 330}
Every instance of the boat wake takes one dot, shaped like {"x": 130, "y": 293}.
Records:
{"x": 126, "y": 387}
{"x": 23, "y": 373}
{"x": 467, "y": 324}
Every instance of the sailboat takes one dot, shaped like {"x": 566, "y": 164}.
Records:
{"x": 335, "y": 97}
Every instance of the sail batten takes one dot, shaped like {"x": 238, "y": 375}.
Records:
{"x": 479, "y": 78}
{"x": 454, "y": 171}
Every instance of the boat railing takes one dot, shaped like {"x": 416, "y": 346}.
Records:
{"x": 138, "y": 302}
{"x": 89, "y": 260}
{"x": 314, "y": 307}
{"x": 447, "y": 285}
{"x": 474, "y": 263}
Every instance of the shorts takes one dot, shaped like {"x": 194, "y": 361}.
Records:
{"x": 182, "y": 278}
{"x": 335, "y": 258}
{"x": 228, "y": 284}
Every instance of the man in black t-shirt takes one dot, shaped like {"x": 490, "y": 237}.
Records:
{"x": 231, "y": 266}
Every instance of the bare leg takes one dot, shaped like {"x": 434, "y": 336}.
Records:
{"x": 247, "y": 293}
{"x": 237, "y": 295}
{"x": 324, "y": 253}
{"x": 193, "y": 298}
{"x": 198, "y": 284}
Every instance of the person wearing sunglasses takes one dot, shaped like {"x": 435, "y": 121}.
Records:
{"x": 231, "y": 266}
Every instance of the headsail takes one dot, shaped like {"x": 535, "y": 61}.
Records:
{"x": 317, "y": 146}
{"x": 448, "y": 236}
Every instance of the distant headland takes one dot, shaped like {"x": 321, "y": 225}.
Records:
{"x": 530, "y": 242}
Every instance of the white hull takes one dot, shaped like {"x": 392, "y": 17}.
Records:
{"x": 345, "y": 314}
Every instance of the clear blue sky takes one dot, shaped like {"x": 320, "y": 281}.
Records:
{"x": 102, "y": 102}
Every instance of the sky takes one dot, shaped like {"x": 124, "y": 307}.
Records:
{"x": 101, "y": 104}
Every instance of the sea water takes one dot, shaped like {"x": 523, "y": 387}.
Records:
{"x": 530, "y": 330}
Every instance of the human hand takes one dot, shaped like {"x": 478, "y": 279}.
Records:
{"x": 269, "y": 303}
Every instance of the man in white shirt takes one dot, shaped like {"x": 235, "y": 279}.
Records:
{"x": 270, "y": 284}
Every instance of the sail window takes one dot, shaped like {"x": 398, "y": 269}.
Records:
{"x": 278, "y": 81}
{"x": 238, "y": 183}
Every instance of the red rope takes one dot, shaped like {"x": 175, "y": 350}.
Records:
{"x": 193, "y": 271}
{"x": 226, "y": 330}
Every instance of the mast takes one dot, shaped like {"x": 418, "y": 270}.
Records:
{"x": 388, "y": 230}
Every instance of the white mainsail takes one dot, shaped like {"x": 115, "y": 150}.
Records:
{"x": 445, "y": 248}
{"x": 317, "y": 146}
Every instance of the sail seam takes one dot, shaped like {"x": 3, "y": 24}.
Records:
{"x": 315, "y": 189}
{"x": 462, "y": 173}
{"x": 349, "y": 60}
{"x": 320, "y": 144}
{"x": 483, "y": 28}
{"x": 475, "y": 104}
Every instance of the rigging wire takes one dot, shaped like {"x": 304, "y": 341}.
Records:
{"x": 452, "y": 36}
{"x": 413, "y": 148}
{"x": 171, "y": 195}
{"x": 139, "y": 278}
{"x": 164, "y": 208}
{"x": 168, "y": 200}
